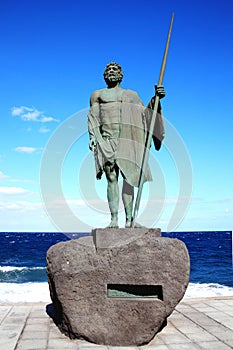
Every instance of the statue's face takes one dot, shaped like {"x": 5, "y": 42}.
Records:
{"x": 113, "y": 73}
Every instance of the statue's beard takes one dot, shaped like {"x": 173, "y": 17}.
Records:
{"x": 112, "y": 78}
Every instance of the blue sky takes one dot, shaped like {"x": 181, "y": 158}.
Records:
{"x": 53, "y": 54}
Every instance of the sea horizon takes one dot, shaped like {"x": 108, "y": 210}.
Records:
{"x": 23, "y": 263}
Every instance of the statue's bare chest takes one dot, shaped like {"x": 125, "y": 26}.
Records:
{"x": 110, "y": 95}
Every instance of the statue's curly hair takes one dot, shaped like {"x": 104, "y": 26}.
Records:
{"x": 113, "y": 72}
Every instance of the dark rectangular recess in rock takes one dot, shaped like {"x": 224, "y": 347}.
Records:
{"x": 128, "y": 291}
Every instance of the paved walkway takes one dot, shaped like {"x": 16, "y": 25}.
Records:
{"x": 195, "y": 324}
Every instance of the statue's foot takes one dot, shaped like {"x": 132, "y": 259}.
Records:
{"x": 128, "y": 224}
{"x": 113, "y": 224}
{"x": 137, "y": 225}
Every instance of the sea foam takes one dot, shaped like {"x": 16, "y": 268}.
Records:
{"x": 39, "y": 292}
{"x": 18, "y": 268}
{"x": 205, "y": 290}
{"x": 24, "y": 292}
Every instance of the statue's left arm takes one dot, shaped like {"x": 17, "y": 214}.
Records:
{"x": 159, "y": 130}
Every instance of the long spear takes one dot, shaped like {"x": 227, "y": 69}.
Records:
{"x": 152, "y": 124}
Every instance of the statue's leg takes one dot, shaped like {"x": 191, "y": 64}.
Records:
{"x": 112, "y": 173}
{"x": 127, "y": 198}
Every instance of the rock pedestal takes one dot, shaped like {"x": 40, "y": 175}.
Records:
{"x": 117, "y": 287}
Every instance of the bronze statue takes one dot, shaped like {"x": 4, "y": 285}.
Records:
{"x": 118, "y": 125}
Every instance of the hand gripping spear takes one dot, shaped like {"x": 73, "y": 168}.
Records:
{"x": 151, "y": 129}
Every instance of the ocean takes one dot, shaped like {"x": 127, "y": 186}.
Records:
{"x": 23, "y": 263}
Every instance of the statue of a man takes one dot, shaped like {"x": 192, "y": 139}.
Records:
{"x": 117, "y": 125}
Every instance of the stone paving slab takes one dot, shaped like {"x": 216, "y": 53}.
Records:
{"x": 205, "y": 323}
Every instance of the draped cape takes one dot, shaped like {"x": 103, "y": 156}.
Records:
{"x": 127, "y": 150}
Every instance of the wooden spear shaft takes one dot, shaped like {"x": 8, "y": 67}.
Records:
{"x": 151, "y": 129}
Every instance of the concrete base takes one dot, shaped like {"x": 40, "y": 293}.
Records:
{"x": 115, "y": 237}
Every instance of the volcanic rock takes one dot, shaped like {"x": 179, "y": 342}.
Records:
{"x": 120, "y": 293}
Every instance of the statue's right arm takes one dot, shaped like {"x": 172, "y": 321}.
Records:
{"x": 94, "y": 98}
{"x": 93, "y": 119}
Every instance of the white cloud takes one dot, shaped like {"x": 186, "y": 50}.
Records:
{"x": 3, "y": 176}
{"x": 47, "y": 119}
{"x": 12, "y": 190}
{"x": 19, "y": 205}
{"x": 21, "y": 215}
{"x": 16, "y": 111}
{"x": 31, "y": 114}
{"x": 24, "y": 149}
{"x": 225, "y": 200}
{"x": 43, "y": 130}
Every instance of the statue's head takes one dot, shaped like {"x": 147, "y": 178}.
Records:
{"x": 113, "y": 73}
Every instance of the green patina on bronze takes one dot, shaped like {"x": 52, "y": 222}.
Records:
{"x": 112, "y": 293}
{"x": 118, "y": 125}
{"x": 134, "y": 291}
{"x": 121, "y": 130}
